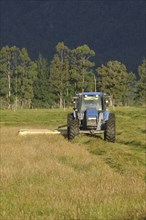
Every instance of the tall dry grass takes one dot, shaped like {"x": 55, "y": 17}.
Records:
{"x": 47, "y": 177}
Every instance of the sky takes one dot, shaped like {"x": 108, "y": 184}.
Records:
{"x": 114, "y": 29}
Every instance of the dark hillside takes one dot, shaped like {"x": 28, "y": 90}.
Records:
{"x": 114, "y": 30}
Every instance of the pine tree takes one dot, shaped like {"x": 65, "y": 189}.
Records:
{"x": 114, "y": 79}
{"x": 16, "y": 76}
{"x": 26, "y": 73}
{"x": 141, "y": 85}
{"x": 9, "y": 58}
{"x": 81, "y": 71}
{"x": 59, "y": 72}
{"x": 42, "y": 94}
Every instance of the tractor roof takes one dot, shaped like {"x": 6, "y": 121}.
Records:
{"x": 91, "y": 93}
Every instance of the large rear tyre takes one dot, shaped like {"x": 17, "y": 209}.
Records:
{"x": 72, "y": 127}
{"x": 110, "y": 129}
{"x": 69, "y": 122}
{"x": 70, "y": 117}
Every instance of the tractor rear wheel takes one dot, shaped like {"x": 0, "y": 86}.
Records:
{"x": 110, "y": 131}
{"x": 72, "y": 127}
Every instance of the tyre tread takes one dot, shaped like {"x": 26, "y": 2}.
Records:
{"x": 110, "y": 133}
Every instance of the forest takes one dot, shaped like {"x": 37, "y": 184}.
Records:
{"x": 32, "y": 84}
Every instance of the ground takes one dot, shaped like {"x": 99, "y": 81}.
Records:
{"x": 47, "y": 177}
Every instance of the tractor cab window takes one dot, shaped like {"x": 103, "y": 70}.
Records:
{"x": 91, "y": 102}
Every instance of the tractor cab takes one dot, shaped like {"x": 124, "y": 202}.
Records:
{"x": 89, "y": 110}
{"x": 86, "y": 101}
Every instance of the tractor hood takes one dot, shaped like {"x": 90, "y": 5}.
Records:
{"x": 91, "y": 113}
{"x": 91, "y": 118}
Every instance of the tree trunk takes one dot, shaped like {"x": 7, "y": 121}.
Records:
{"x": 83, "y": 79}
{"x": 61, "y": 101}
{"x": 64, "y": 104}
{"x": 111, "y": 100}
{"x": 9, "y": 85}
{"x": 94, "y": 83}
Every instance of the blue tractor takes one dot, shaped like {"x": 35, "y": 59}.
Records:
{"x": 91, "y": 116}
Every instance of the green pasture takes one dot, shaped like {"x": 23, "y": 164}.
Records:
{"x": 130, "y": 122}
{"x": 38, "y": 117}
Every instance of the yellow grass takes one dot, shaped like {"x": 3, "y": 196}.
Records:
{"x": 47, "y": 177}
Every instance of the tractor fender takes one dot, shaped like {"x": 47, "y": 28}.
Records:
{"x": 75, "y": 113}
{"x": 106, "y": 115}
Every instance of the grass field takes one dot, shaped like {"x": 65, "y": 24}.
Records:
{"x": 47, "y": 177}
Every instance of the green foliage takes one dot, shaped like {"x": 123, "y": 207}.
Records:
{"x": 16, "y": 76}
{"x": 28, "y": 84}
{"x": 59, "y": 72}
{"x": 116, "y": 81}
{"x": 41, "y": 85}
{"x": 71, "y": 71}
{"x": 81, "y": 70}
{"x": 8, "y": 60}
{"x": 141, "y": 84}
{"x": 27, "y": 71}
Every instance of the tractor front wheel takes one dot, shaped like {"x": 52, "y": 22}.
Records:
{"x": 72, "y": 127}
{"x": 110, "y": 131}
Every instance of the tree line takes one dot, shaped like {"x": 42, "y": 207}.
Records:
{"x": 41, "y": 84}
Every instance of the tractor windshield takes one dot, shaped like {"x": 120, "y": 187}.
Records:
{"x": 91, "y": 102}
